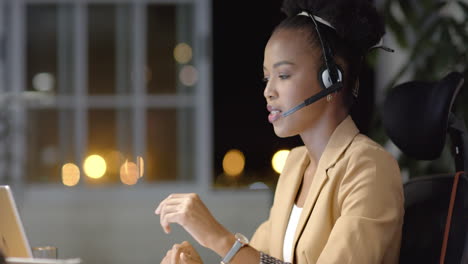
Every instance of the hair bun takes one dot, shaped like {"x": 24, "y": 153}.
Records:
{"x": 357, "y": 22}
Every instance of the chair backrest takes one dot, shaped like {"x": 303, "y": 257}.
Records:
{"x": 426, "y": 207}
{"x": 417, "y": 117}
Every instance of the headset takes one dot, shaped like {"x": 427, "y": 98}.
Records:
{"x": 330, "y": 75}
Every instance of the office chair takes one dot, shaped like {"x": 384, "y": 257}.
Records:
{"x": 417, "y": 117}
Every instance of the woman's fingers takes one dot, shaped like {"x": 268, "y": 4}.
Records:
{"x": 175, "y": 198}
{"x": 186, "y": 259}
{"x": 189, "y": 211}
{"x": 171, "y": 214}
{"x": 169, "y": 201}
{"x": 169, "y": 210}
{"x": 169, "y": 218}
{"x": 189, "y": 255}
{"x": 167, "y": 258}
{"x": 176, "y": 250}
{"x": 164, "y": 208}
{"x": 183, "y": 253}
{"x": 172, "y": 209}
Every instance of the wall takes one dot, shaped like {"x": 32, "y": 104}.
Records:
{"x": 118, "y": 226}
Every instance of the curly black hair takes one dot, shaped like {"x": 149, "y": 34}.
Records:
{"x": 358, "y": 28}
{"x": 357, "y": 22}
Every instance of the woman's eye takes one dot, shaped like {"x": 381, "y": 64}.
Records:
{"x": 284, "y": 76}
{"x": 265, "y": 79}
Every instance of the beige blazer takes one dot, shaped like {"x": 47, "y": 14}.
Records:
{"x": 354, "y": 209}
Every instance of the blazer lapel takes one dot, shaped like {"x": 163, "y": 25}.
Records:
{"x": 317, "y": 184}
{"x": 337, "y": 144}
{"x": 293, "y": 177}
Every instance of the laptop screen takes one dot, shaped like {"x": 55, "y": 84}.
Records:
{"x": 13, "y": 241}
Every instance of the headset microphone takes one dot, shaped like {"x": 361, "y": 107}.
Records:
{"x": 334, "y": 88}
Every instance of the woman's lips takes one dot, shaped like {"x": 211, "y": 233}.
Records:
{"x": 274, "y": 115}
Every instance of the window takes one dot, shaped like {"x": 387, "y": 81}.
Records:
{"x": 119, "y": 91}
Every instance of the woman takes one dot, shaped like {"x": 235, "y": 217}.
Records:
{"x": 339, "y": 198}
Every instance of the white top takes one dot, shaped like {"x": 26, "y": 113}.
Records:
{"x": 290, "y": 231}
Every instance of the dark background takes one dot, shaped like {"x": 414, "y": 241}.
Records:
{"x": 240, "y": 33}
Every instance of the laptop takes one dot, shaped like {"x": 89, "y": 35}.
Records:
{"x": 13, "y": 241}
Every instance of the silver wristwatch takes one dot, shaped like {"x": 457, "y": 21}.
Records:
{"x": 241, "y": 241}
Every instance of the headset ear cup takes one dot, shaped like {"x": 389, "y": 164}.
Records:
{"x": 325, "y": 78}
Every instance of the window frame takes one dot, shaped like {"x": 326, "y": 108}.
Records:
{"x": 80, "y": 101}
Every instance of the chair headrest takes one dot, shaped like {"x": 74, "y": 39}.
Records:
{"x": 416, "y": 114}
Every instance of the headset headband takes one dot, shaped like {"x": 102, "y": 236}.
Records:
{"x": 379, "y": 45}
{"x": 318, "y": 19}
{"x": 326, "y": 50}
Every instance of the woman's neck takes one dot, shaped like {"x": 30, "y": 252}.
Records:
{"x": 316, "y": 137}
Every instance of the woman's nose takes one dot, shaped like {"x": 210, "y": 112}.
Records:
{"x": 269, "y": 92}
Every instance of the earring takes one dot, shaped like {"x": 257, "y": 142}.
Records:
{"x": 356, "y": 89}
{"x": 329, "y": 98}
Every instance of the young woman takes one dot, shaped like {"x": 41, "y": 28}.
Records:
{"x": 339, "y": 198}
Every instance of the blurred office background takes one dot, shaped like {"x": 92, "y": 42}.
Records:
{"x": 108, "y": 106}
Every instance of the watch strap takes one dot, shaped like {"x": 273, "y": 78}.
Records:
{"x": 232, "y": 252}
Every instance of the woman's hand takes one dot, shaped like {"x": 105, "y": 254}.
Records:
{"x": 182, "y": 254}
{"x": 189, "y": 211}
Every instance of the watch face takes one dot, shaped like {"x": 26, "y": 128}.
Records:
{"x": 242, "y": 238}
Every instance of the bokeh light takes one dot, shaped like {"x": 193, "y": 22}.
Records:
{"x": 95, "y": 166}
{"x": 43, "y": 82}
{"x": 141, "y": 166}
{"x": 129, "y": 173}
{"x": 279, "y": 159}
{"x": 233, "y": 162}
{"x": 188, "y": 75}
{"x": 183, "y": 53}
{"x": 70, "y": 174}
